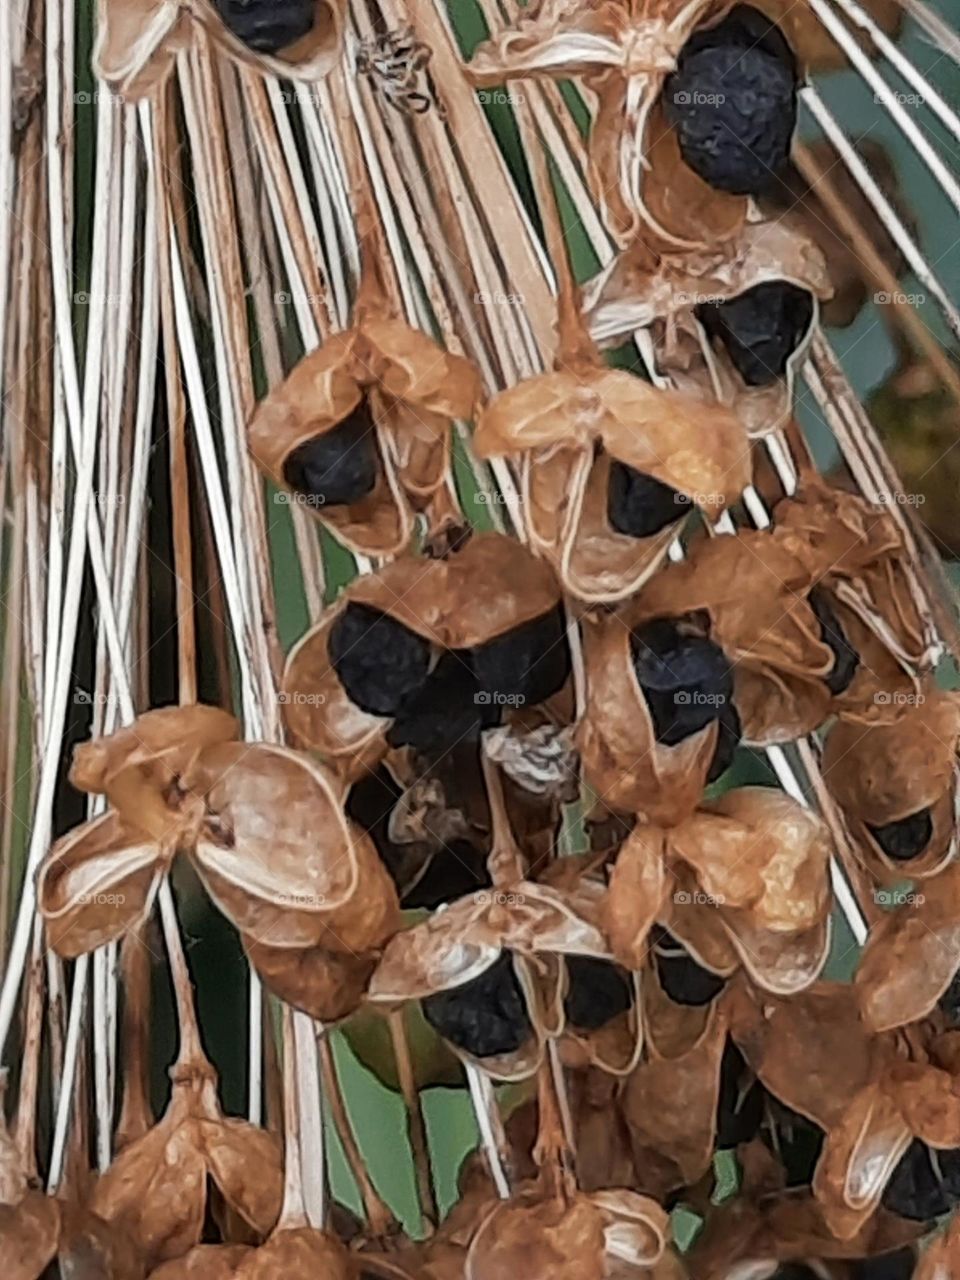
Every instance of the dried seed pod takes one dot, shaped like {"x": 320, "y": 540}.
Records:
{"x": 605, "y": 519}
{"x": 896, "y": 784}
{"x": 204, "y": 1262}
{"x": 29, "y": 1219}
{"x": 601, "y": 1007}
{"x": 428, "y": 651}
{"x": 296, "y": 1252}
{"x": 137, "y": 40}
{"x": 163, "y": 1215}
{"x": 356, "y": 419}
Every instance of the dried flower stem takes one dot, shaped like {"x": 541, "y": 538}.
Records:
{"x": 493, "y": 1139}
{"x": 416, "y": 1127}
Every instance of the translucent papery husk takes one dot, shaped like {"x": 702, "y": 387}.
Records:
{"x": 697, "y": 924}
{"x": 911, "y": 955}
{"x": 639, "y": 886}
{"x": 551, "y": 426}
{"x": 414, "y": 388}
{"x": 781, "y": 963}
{"x": 137, "y": 41}
{"x": 670, "y": 1099}
{"x": 882, "y": 682}
{"x": 326, "y": 984}
{"x": 753, "y": 587}
{"x": 97, "y": 882}
{"x": 280, "y": 859}
{"x": 204, "y": 1262}
{"x": 809, "y": 1050}
{"x": 164, "y": 1214}
{"x": 881, "y": 773}
{"x": 612, "y": 1233}
{"x": 638, "y": 289}
{"x": 622, "y": 761}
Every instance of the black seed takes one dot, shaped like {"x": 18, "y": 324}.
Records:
{"x": 377, "y": 660}
{"x": 267, "y": 25}
{"x": 906, "y": 838}
{"x": 949, "y": 1003}
{"x": 925, "y": 1184}
{"x": 794, "y": 1271}
{"x": 338, "y": 467}
{"x": 846, "y": 658}
{"x": 369, "y": 803}
{"x": 598, "y": 992}
{"x": 640, "y": 506}
{"x": 683, "y": 980}
{"x": 529, "y": 663}
{"x": 686, "y": 679}
{"x": 740, "y": 1105}
{"x": 445, "y": 710}
{"x": 454, "y": 871}
{"x": 760, "y": 328}
{"x": 485, "y": 1017}
{"x": 889, "y": 1266}
{"x": 728, "y": 739}
{"x": 733, "y": 103}
{"x": 795, "y": 1140}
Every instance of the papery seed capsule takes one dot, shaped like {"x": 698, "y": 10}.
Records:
{"x": 337, "y": 467}
{"x": 267, "y": 25}
{"x": 638, "y": 505}
{"x": 760, "y": 328}
{"x": 485, "y": 1017}
{"x": 846, "y": 658}
{"x": 683, "y": 980}
{"x": 733, "y": 102}
{"x": 377, "y": 660}
{"x": 598, "y": 992}
{"x": 741, "y": 1100}
{"x": 686, "y": 679}
{"x": 925, "y": 1184}
{"x": 526, "y": 665}
{"x": 906, "y": 838}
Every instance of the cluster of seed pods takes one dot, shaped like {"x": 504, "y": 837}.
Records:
{"x": 660, "y": 992}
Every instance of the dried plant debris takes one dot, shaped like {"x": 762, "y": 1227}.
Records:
{"x": 138, "y": 40}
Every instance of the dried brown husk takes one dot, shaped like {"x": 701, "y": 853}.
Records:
{"x": 298, "y": 1252}
{"x": 204, "y": 1262}
{"x": 326, "y": 984}
{"x": 753, "y": 587}
{"x": 29, "y": 1220}
{"x": 622, "y": 762}
{"x": 552, "y": 426}
{"x": 697, "y": 925}
{"x": 164, "y": 1214}
{"x": 137, "y": 41}
{"x": 911, "y": 955}
{"x": 639, "y": 887}
{"x": 880, "y": 773}
{"x": 615, "y": 1047}
{"x": 414, "y": 388}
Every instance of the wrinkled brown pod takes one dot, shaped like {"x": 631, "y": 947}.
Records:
{"x": 137, "y": 41}
{"x": 410, "y": 388}
{"x": 29, "y": 1220}
{"x": 204, "y": 1262}
{"x": 885, "y": 773}
{"x": 164, "y": 1215}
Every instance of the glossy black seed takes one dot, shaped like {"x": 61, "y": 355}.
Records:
{"x": 485, "y": 1017}
{"x": 740, "y": 1104}
{"x": 796, "y": 1141}
{"x": 728, "y": 739}
{"x": 338, "y": 467}
{"x": 267, "y": 25}
{"x": 906, "y": 838}
{"x": 529, "y": 663}
{"x": 760, "y": 328}
{"x": 683, "y": 980}
{"x": 889, "y": 1266}
{"x": 598, "y": 992}
{"x": 846, "y": 658}
{"x": 445, "y": 710}
{"x": 733, "y": 103}
{"x": 949, "y": 1003}
{"x": 454, "y": 871}
{"x": 686, "y": 679}
{"x": 639, "y": 506}
{"x": 925, "y": 1184}
{"x": 377, "y": 660}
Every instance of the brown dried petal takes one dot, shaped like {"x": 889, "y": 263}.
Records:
{"x": 637, "y": 893}
{"x": 280, "y": 859}
{"x": 296, "y": 1255}
{"x": 781, "y": 963}
{"x": 534, "y": 1237}
{"x": 205, "y": 1262}
{"x": 96, "y": 883}
{"x": 326, "y": 985}
{"x": 637, "y": 1228}
{"x": 29, "y": 1233}
{"x": 246, "y": 1165}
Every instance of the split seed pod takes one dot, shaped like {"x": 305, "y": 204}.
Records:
{"x": 360, "y": 429}
{"x": 897, "y": 783}
{"x": 164, "y": 1214}
{"x": 610, "y": 466}
{"x": 423, "y": 637}
{"x": 731, "y": 322}
{"x": 137, "y": 40}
